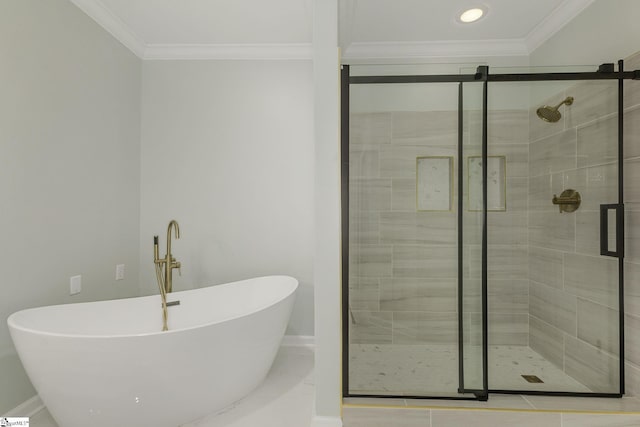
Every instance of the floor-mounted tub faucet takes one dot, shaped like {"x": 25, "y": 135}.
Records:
{"x": 168, "y": 263}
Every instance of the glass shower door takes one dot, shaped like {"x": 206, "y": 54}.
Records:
{"x": 408, "y": 147}
{"x": 558, "y": 232}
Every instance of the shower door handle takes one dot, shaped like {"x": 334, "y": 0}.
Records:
{"x": 604, "y": 230}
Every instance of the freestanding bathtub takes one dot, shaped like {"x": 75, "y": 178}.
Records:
{"x": 107, "y": 363}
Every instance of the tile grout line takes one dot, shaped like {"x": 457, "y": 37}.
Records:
{"x": 528, "y": 401}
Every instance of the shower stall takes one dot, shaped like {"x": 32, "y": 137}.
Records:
{"x": 483, "y": 231}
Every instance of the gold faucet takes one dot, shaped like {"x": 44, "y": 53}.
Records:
{"x": 168, "y": 262}
{"x": 165, "y": 281}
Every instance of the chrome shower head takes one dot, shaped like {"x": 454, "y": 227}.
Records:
{"x": 551, "y": 114}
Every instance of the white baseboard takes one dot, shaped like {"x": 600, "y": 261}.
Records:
{"x": 28, "y": 408}
{"x": 326, "y": 421}
{"x": 299, "y": 341}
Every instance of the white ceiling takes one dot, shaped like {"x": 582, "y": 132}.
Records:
{"x": 283, "y": 28}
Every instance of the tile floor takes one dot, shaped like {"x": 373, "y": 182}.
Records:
{"x": 285, "y": 399}
{"x": 433, "y": 370}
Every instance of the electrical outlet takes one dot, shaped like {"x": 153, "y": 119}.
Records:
{"x": 75, "y": 285}
{"x": 120, "y": 272}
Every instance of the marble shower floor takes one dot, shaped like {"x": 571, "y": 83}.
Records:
{"x": 433, "y": 370}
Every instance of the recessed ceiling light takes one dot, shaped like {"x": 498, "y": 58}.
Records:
{"x": 471, "y": 15}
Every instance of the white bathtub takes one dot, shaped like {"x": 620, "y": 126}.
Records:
{"x": 108, "y": 363}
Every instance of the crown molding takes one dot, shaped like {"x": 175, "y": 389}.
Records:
{"x": 112, "y": 24}
{"x": 279, "y": 51}
{"x": 97, "y": 11}
{"x": 441, "y": 49}
{"x": 554, "y": 22}
{"x": 357, "y": 51}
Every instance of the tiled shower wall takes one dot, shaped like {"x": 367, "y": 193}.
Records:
{"x": 403, "y": 262}
{"x": 573, "y": 291}
{"x": 548, "y": 287}
{"x": 632, "y": 229}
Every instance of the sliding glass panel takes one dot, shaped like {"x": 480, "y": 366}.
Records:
{"x": 403, "y": 252}
{"x": 553, "y": 299}
{"x": 472, "y": 215}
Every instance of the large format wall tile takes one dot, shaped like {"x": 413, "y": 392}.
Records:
{"x": 370, "y": 128}
{"x": 428, "y": 128}
{"x": 632, "y": 87}
{"x": 631, "y": 187}
{"x": 553, "y": 306}
{"x": 370, "y": 327}
{"x": 508, "y": 329}
{"x": 403, "y": 194}
{"x": 504, "y": 295}
{"x": 370, "y": 260}
{"x": 504, "y": 261}
{"x": 508, "y": 295}
{"x": 418, "y": 227}
{"x": 546, "y": 266}
{"x": 503, "y": 126}
{"x": 436, "y": 261}
{"x": 632, "y": 339}
{"x": 364, "y": 293}
{"x": 592, "y": 367}
{"x": 517, "y": 156}
{"x": 508, "y": 127}
{"x": 366, "y": 195}
{"x": 412, "y": 294}
{"x": 593, "y": 278}
{"x": 503, "y": 328}
{"x": 363, "y": 163}
{"x": 588, "y": 233}
{"x": 517, "y": 197}
{"x": 593, "y": 99}
{"x": 632, "y": 236}
{"x": 632, "y": 132}
{"x": 599, "y": 326}
{"x": 552, "y": 230}
{"x": 632, "y": 376}
{"x": 540, "y": 193}
{"x": 547, "y": 340}
{"x": 631, "y": 93}
{"x": 632, "y": 288}
{"x": 598, "y": 142}
{"x": 364, "y": 227}
{"x": 598, "y": 185}
{"x": 416, "y": 327}
{"x": 504, "y": 228}
{"x": 553, "y": 154}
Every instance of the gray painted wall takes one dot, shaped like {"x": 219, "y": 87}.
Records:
{"x": 69, "y": 166}
{"x": 227, "y": 150}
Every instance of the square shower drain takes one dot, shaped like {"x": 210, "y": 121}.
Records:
{"x": 532, "y": 379}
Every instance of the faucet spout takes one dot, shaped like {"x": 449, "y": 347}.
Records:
{"x": 170, "y": 262}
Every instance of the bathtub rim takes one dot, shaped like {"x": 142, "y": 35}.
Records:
{"x": 11, "y": 322}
